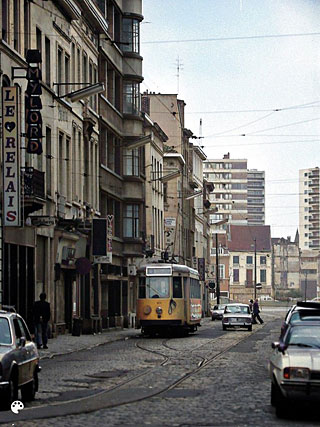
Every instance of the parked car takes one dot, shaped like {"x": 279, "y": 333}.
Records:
{"x": 217, "y": 311}
{"x": 302, "y": 311}
{"x": 19, "y": 360}
{"x": 237, "y": 314}
{"x": 294, "y": 368}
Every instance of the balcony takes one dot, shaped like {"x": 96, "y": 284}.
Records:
{"x": 33, "y": 190}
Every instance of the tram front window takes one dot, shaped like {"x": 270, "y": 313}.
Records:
{"x": 158, "y": 287}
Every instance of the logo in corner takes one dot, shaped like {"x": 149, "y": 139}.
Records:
{"x": 17, "y": 406}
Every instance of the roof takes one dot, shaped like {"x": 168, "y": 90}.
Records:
{"x": 243, "y": 237}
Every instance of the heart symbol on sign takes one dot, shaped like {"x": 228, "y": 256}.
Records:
{"x": 10, "y": 126}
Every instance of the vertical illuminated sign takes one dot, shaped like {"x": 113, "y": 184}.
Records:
{"x": 10, "y": 152}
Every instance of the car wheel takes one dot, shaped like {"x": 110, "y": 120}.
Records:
{"x": 28, "y": 391}
{"x": 224, "y": 328}
{"x": 10, "y": 395}
{"x": 250, "y": 328}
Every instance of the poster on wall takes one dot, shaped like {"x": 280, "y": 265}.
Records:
{"x": 10, "y": 155}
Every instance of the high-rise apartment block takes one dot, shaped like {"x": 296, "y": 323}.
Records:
{"x": 238, "y": 194}
{"x": 256, "y": 200}
{"x": 230, "y": 195}
{"x": 309, "y": 208}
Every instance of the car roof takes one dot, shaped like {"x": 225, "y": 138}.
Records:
{"x": 308, "y": 304}
{"x": 237, "y": 304}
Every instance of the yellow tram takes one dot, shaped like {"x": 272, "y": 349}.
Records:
{"x": 169, "y": 297}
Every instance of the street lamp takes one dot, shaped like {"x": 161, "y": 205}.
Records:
{"x": 217, "y": 261}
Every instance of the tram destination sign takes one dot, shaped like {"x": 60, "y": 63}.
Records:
{"x": 10, "y": 155}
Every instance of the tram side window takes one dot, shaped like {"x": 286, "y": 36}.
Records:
{"x": 142, "y": 287}
{"x": 195, "y": 289}
{"x": 177, "y": 287}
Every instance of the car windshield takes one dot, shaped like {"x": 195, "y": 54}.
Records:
{"x": 304, "y": 336}
{"x": 237, "y": 309}
{"x": 158, "y": 287}
{"x": 5, "y": 334}
{"x": 221, "y": 307}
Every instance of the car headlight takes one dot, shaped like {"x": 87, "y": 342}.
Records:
{"x": 247, "y": 319}
{"x": 296, "y": 373}
{"x": 225, "y": 320}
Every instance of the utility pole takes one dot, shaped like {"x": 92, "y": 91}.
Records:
{"x": 217, "y": 271}
{"x": 305, "y": 284}
{"x": 255, "y": 268}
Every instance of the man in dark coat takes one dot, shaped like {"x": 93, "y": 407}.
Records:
{"x": 41, "y": 317}
{"x": 256, "y": 312}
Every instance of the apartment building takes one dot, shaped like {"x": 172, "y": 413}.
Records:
{"x": 309, "y": 274}
{"x": 256, "y": 197}
{"x": 90, "y": 158}
{"x": 250, "y": 262}
{"x": 230, "y": 194}
{"x": 309, "y": 209}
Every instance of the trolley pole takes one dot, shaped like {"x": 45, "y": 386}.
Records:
{"x": 217, "y": 271}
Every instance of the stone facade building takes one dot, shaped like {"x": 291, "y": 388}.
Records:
{"x": 286, "y": 267}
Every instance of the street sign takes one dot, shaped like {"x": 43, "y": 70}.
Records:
{"x": 103, "y": 259}
{"x": 258, "y": 286}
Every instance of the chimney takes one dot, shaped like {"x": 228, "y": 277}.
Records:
{"x": 226, "y": 156}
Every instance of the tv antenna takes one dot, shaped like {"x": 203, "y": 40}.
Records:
{"x": 179, "y": 65}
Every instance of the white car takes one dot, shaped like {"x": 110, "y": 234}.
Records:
{"x": 294, "y": 366}
{"x": 237, "y": 315}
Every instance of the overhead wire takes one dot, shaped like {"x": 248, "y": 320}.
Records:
{"x": 209, "y": 39}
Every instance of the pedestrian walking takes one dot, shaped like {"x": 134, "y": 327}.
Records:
{"x": 41, "y": 317}
{"x": 251, "y": 305}
{"x": 256, "y": 311}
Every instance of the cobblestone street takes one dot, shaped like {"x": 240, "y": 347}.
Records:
{"x": 213, "y": 377}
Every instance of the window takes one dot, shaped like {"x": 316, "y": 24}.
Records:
{"x": 236, "y": 275}
{"x": 131, "y": 162}
{"x": 48, "y": 61}
{"x": 195, "y": 291}
{"x": 249, "y": 259}
{"x": 263, "y": 276}
{"x": 249, "y": 277}
{"x": 221, "y": 271}
{"x": 48, "y": 160}
{"x": 131, "y": 97}
{"x": 113, "y": 153}
{"x": 5, "y": 20}
{"x": 236, "y": 259}
{"x": 176, "y": 287}
{"x": 16, "y": 25}
{"x": 142, "y": 287}
{"x": 39, "y": 40}
{"x": 67, "y": 72}
{"x": 263, "y": 260}
{"x": 5, "y": 334}
{"x": 130, "y": 35}
{"x": 131, "y": 221}
{"x": 157, "y": 287}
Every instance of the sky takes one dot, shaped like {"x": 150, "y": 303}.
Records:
{"x": 236, "y": 82}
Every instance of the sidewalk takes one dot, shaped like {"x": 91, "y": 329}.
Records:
{"x": 64, "y": 344}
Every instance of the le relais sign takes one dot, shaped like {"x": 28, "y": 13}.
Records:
{"x": 11, "y": 148}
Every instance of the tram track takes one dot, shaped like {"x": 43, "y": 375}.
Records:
{"x": 119, "y": 394}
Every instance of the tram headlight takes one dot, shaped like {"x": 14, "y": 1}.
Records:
{"x": 147, "y": 309}
{"x": 159, "y": 310}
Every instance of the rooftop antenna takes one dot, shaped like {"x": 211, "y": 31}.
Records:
{"x": 179, "y": 68}
{"x": 200, "y": 129}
